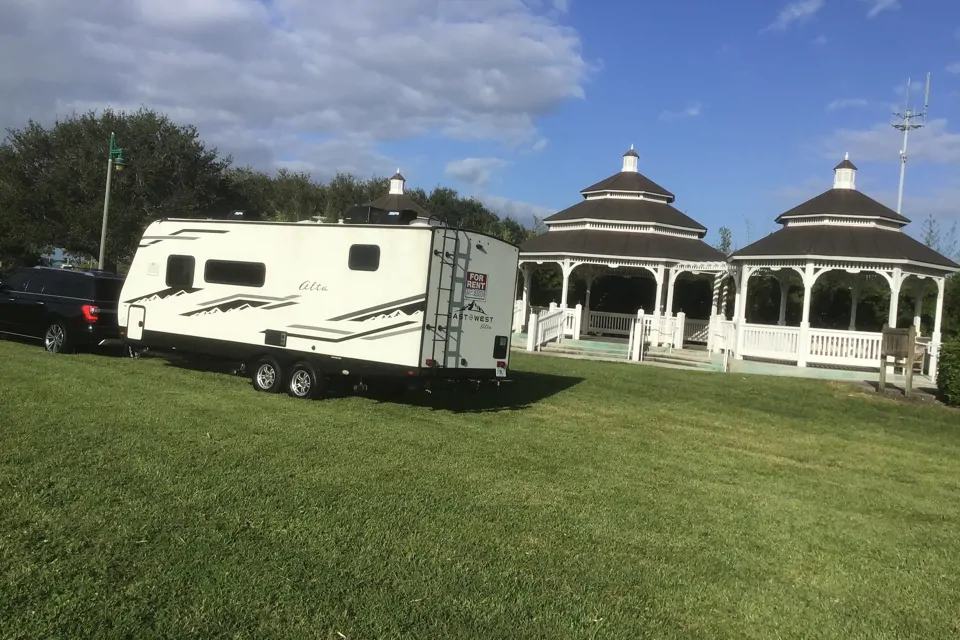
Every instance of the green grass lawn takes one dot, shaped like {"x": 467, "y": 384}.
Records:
{"x": 140, "y": 499}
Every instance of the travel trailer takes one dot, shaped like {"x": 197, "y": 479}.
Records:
{"x": 302, "y": 303}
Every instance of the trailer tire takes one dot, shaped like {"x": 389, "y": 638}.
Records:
{"x": 267, "y": 375}
{"x": 304, "y": 381}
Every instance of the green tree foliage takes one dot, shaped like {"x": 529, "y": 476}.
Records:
{"x": 53, "y": 181}
{"x": 948, "y": 372}
{"x": 725, "y": 244}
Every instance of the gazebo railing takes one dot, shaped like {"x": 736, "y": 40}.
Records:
{"x": 696, "y": 331}
{"x": 770, "y": 342}
{"x": 851, "y": 348}
{"x": 615, "y": 324}
{"x": 550, "y": 326}
{"x": 518, "y": 316}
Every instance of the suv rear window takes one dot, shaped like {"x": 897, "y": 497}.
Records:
{"x": 108, "y": 289}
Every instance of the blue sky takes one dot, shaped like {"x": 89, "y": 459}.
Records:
{"x": 758, "y": 112}
{"x": 739, "y": 107}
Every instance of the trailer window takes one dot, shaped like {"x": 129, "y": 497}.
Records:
{"x": 180, "y": 271}
{"x": 364, "y": 257}
{"x": 243, "y": 274}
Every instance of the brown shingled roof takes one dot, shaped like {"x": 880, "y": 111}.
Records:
{"x": 623, "y": 210}
{"x": 630, "y": 181}
{"x": 397, "y": 202}
{"x": 624, "y": 245}
{"x": 841, "y": 242}
{"x": 846, "y": 202}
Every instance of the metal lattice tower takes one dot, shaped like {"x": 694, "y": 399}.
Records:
{"x": 906, "y": 122}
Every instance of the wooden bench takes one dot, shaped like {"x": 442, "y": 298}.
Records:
{"x": 903, "y": 349}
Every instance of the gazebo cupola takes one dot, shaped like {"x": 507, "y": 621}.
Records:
{"x": 397, "y": 183}
{"x": 844, "y": 174}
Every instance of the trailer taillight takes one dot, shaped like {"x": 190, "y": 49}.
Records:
{"x": 430, "y": 362}
{"x": 90, "y": 312}
{"x": 501, "y": 364}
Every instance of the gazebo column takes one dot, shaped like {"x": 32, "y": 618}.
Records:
{"x": 715, "y": 310}
{"x": 918, "y": 290}
{"x": 784, "y": 279}
{"x": 803, "y": 343}
{"x": 895, "y": 284}
{"x": 658, "y": 301}
{"x": 567, "y": 269}
{"x": 724, "y": 294}
{"x": 657, "y": 305}
{"x": 589, "y": 276}
{"x": 527, "y": 271}
{"x": 672, "y": 283}
{"x": 740, "y": 309}
{"x": 855, "y": 291}
{"x": 937, "y": 321}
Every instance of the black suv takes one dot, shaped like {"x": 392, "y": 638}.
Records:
{"x": 64, "y": 308}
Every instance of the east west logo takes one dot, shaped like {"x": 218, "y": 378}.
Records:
{"x": 472, "y": 312}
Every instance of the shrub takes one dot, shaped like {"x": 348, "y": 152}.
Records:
{"x": 948, "y": 372}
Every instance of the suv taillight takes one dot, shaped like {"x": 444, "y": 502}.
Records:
{"x": 91, "y": 312}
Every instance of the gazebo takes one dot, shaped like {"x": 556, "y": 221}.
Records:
{"x": 393, "y": 207}
{"x": 625, "y": 226}
{"x": 842, "y": 229}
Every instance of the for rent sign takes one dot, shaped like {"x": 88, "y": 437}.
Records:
{"x": 476, "y": 286}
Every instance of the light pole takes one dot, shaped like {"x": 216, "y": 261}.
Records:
{"x": 115, "y": 158}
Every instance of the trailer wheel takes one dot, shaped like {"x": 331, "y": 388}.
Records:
{"x": 267, "y": 376}
{"x": 304, "y": 381}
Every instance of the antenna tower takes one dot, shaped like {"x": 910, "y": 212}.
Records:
{"x": 905, "y": 123}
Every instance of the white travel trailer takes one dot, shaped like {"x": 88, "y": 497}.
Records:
{"x": 299, "y": 304}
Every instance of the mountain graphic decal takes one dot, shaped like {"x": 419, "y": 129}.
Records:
{"x": 473, "y": 306}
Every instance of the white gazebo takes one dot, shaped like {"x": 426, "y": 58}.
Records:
{"x": 624, "y": 226}
{"x": 842, "y": 230}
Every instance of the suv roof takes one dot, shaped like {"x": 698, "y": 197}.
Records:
{"x": 95, "y": 273}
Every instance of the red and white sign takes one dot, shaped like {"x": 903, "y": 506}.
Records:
{"x": 476, "y": 286}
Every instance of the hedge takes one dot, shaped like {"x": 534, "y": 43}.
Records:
{"x": 948, "y": 372}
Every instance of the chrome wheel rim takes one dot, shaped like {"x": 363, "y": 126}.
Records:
{"x": 53, "y": 340}
{"x": 300, "y": 383}
{"x": 266, "y": 376}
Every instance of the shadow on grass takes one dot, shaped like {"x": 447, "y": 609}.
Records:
{"x": 523, "y": 390}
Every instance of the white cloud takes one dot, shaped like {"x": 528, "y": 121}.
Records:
{"x": 477, "y": 172}
{"x": 799, "y": 11}
{"x": 523, "y": 212}
{"x": 820, "y": 41}
{"x": 261, "y": 80}
{"x": 953, "y": 68}
{"x": 691, "y": 111}
{"x": 933, "y": 143}
{"x": 879, "y": 6}
{"x": 540, "y": 145}
{"x": 846, "y": 102}
{"x": 793, "y": 195}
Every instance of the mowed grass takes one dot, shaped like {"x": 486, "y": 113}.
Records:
{"x": 588, "y": 500}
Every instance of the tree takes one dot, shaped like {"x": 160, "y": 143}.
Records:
{"x": 53, "y": 181}
{"x": 725, "y": 244}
